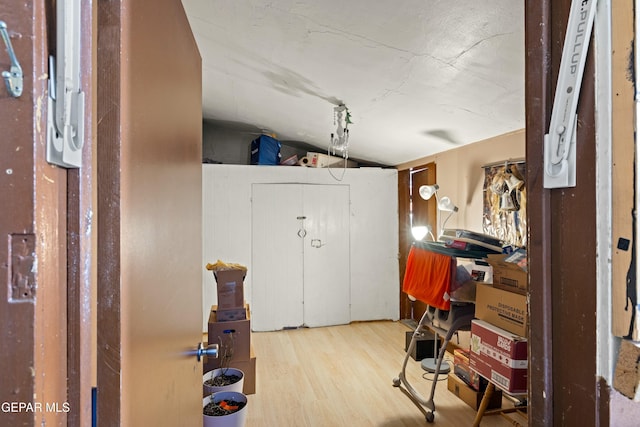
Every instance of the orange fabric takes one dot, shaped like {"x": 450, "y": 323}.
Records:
{"x": 428, "y": 277}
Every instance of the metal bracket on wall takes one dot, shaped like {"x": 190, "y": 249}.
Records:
{"x": 13, "y": 77}
{"x": 65, "y": 105}
{"x": 560, "y": 142}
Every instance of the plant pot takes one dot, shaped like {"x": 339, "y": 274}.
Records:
{"x": 237, "y": 386}
{"x": 235, "y": 419}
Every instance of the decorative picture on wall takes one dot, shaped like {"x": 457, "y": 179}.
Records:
{"x": 505, "y": 202}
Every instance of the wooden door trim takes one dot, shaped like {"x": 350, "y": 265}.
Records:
{"x": 404, "y": 231}
{"x": 80, "y": 238}
{"x": 562, "y": 319}
{"x": 109, "y": 16}
{"x": 32, "y": 318}
{"x": 538, "y": 101}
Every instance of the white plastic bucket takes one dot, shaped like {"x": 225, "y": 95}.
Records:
{"x": 236, "y": 419}
{"x": 237, "y": 386}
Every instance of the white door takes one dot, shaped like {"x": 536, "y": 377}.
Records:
{"x": 277, "y": 274}
{"x": 300, "y": 256}
{"x": 326, "y": 255}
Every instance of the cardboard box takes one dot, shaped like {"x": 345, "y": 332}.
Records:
{"x": 462, "y": 368}
{"x": 505, "y": 309}
{"x": 424, "y": 345}
{"x": 249, "y": 369}
{"x": 499, "y": 356}
{"x": 470, "y": 396}
{"x": 230, "y": 286}
{"x": 319, "y": 160}
{"x": 231, "y": 314}
{"x": 508, "y": 275}
{"x": 231, "y": 336}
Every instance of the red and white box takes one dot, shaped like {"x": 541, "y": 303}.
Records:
{"x": 499, "y": 356}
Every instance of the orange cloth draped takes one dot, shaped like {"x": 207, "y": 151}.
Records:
{"x": 428, "y": 277}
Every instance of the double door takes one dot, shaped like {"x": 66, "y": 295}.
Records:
{"x": 300, "y": 256}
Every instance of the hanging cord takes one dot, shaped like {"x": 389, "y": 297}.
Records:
{"x": 341, "y": 140}
{"x": 344, "y": 168}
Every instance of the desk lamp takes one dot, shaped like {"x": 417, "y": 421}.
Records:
{"x": 444, "y": 204}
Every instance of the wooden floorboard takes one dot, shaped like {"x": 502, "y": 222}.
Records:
{"x": 342, "y": 376}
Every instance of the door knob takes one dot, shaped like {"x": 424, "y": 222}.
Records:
{"x": 210, "y": 351}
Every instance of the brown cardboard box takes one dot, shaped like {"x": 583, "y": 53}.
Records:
{"x": 235, "y": 335}
{"x": 508, "y": 275}
{"x": 462, "y": 369}
{"x": 499, "y": 356}
{"x": 504, "y": 309}
{"x": 231, "y": 314}
{"x": 230, "y": 287}
{"x": 249, "y": 369}
{"x": 470, "y": 396}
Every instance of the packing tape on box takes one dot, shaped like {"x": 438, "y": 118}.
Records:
{"x": 304, "y": 161}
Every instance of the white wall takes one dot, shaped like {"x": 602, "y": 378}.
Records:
{"x": 374, "y": 229}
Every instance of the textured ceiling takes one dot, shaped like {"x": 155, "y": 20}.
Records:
{"x": 418, "y": 76}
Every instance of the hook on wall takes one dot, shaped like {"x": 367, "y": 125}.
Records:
{"x": 13, "y": 77}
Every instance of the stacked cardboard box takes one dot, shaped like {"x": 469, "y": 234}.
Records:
{"x": 498, "y": 335}
{"x": 235, "y": 349}
{"x": 499, "y": 356}
{"x": 505, "y": 309}
{"x": 229, "y": 326}
{"x": 470, "y": 396}
{"x": 509, "y": 271}
{"x": 230, "y": 291}
{"x": 462, "y": 368}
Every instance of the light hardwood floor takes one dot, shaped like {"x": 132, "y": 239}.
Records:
{"x": 342, "y": 376}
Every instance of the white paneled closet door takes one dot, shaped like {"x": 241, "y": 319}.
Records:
{"x": 276, "y": 254}
{"x": 326, "y": 255}
{"x": 300, "y": 256}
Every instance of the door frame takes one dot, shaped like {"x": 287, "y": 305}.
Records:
{"x": 562, "y": 319}
{"x": 429, "y": 211}
{"x": 33, "y": 316}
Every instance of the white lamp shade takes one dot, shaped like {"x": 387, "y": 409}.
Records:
{"x": 419, "y": 231}
{"x": 426, "y": 191}
{"x": 445, "y": 204}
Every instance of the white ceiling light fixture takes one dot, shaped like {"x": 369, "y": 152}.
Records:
{"x": 339, "y": 144}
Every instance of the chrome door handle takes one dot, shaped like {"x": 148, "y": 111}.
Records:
{"x": 302, "y": 233}
{"x": 210, "y": 351}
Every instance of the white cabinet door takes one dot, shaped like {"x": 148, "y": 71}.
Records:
{"x": 300, "y": 256}
{"x": 277, "y": 275}
{"x": 326, "y": 255}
